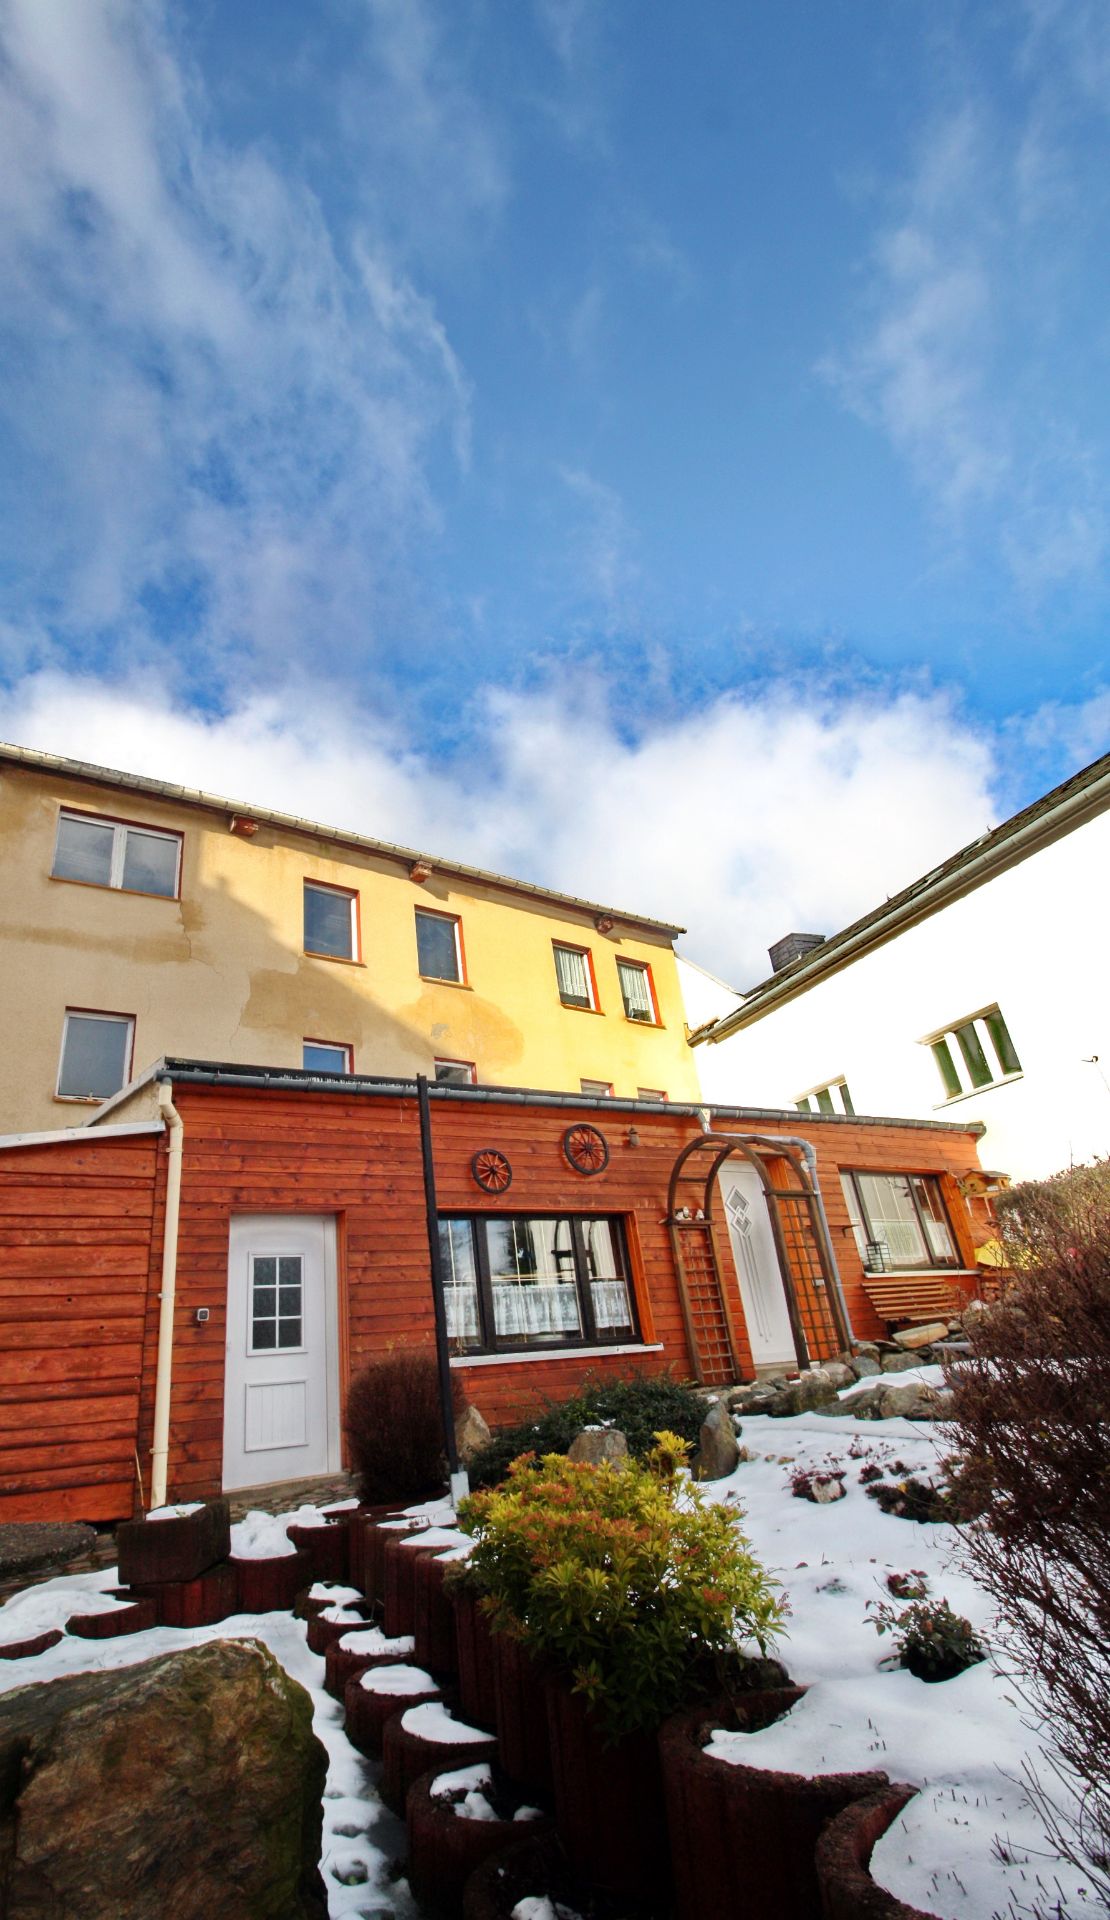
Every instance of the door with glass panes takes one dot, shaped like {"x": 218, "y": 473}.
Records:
{"x": 281, "y": 1393}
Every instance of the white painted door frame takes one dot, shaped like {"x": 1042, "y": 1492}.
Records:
{"x": 281, "y": 1384}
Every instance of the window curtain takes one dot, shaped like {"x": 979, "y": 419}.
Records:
{"x": 570, "y": 971}
{"x": 637, "y": 998}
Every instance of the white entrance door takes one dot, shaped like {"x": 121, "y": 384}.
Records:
{"x": 281, "y": 1392}
{"x": 757, "y": 1266}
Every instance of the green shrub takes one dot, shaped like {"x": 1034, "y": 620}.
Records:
{"x": 930, "y": 1640}
{"x": 639, "y": 1404}
{"x": 620, "y": 1575}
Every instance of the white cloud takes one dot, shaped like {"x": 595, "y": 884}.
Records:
{"x": 216, "y": 402}
{"x": 957, "y": 356}
{"x": 743, "y": 821}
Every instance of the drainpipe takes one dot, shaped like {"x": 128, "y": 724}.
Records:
{"x": 163, "y": 1377}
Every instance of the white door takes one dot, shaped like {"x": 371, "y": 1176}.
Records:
{"x": 281, "y": 1391}
{"x": 757, "y": 1266}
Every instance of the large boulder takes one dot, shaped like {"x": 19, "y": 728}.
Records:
{"x": 914, "y": 1401}
{"x": 718, "y": 1452}
{"x": 471, "y": 1434}
{"x": 801, "y": 1396}
{"x": 599, "y": 1447}
{"x": 182, "y": 1789}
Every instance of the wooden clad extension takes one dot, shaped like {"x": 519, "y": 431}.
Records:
{"x": 75, "y": 1248}
{"x": 81, "y": 1247}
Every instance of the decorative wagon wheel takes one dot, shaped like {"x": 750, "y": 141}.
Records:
{"x": 491, "y": 1170}
{"x": 586, "y": 1149}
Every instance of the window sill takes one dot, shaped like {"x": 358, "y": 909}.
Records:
{"x": 1004, "y": 1080}
{"x": 437, "y": 980}
{"x": 649, "y": 1026}
{"x": 568, "y": 1006}
{"x": 336, "y": 959}
{"x": 83, "y": 1099}
{"x": 104, "y": 886}
{"x": 552, "y": 1353}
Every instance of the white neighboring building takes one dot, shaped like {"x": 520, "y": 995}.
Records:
{"x": 978, "y": 993}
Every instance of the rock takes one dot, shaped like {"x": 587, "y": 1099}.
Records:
{"x": 913, "y": 1337}
{"x": 866, "y": 1405}
{"x": 838, "y": 1372}
{"x": 471, "y": 1434}
{"x": 37, "y": 1546}
{"x": 812, "y": 1390}
{"x": 178, "y": 1548}
{"x": 898, "y": 1362}
{"x": 758, "y": 1398}
{"x": 864, "y": 1365}
{"x": 824, "y": 1492}
{"x": 869, "y": 1349}
{"x": 717, "y": 1452}
{"x": 600, "y": 1447}
{"x": 914, "y": 1401}
{"x": 187, "y": 1787}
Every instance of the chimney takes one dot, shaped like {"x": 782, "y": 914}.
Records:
{"x": 792, "y": 946}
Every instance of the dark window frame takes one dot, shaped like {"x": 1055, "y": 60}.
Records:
{"x": 492, "y": 1344}
{"x": 933, "y": 1263}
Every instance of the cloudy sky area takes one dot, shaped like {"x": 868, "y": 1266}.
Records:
{"x": 661, "y": 452}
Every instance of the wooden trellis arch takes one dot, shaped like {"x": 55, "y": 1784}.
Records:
{"x": 810, "y": 1280}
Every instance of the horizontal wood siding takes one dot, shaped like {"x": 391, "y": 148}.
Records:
{"x": 80, "y": 1257}
{"x": 265, "y": 1151}
{"x": 75, "y": 1241}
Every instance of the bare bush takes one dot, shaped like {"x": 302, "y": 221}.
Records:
{"x": 1031, "y": 1424}
{"x": 395, "y": 1427}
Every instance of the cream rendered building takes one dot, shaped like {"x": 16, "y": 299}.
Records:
{"x": 139, "y": 919}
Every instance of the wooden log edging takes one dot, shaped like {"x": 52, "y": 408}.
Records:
{"x": 744, "y": 1838}
{"x": 843, "y": 1860}
{"x": 446, "y": 1849}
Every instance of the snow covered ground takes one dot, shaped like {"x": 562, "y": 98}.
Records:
{"x": 968, "y": 1848}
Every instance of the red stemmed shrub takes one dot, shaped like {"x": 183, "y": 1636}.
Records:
{"x": 395, "y": 1427}
{"x": 1031, "y": 1423}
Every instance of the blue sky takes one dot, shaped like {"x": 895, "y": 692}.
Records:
{"x": 660, "y": 451}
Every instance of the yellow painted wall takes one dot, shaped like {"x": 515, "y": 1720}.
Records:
{"x": 220, "y": 974}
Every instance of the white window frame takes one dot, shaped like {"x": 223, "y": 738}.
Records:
{"x": 95, "y": 1013}
{"x": 948, "y": 1039}
{"x": 334, "y": 1046}
{"x": 345, "y": 893}
{"x": 596, "y": 1089}
{"x": 839, "y": 1096}
{"x": 466, "y": 1066}
{"x": 642, "y": 968}
{"x": 120, "y": 830}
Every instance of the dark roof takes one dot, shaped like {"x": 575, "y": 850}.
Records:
{"x": 231, "y": 1073}
{"x": 1070, "y": 805}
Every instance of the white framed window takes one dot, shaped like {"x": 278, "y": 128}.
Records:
{"x": 456, "y": 1073}
{"x": 330, "y": 921}
{"x": 603, "y": 1088}
{"x": 974, "y": 1053}
{"x": 638, "y": 992}
{"x": 833, "y": 1097}
{"x": 439, "y": 949}
{"x": 899, "y": 1221}
{"x": 96, "y": 1054}
{"x": 326, "y": 1056}
{"x": 574, "y": 972}
{"x": 116, "y": 853}
{"x": 277, "y": 1303}
{"x": 651, "y": 1093}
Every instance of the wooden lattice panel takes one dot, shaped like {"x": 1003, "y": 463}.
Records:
{"x": 709, "y": 1328}
{"x": 799, "y": 1236}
